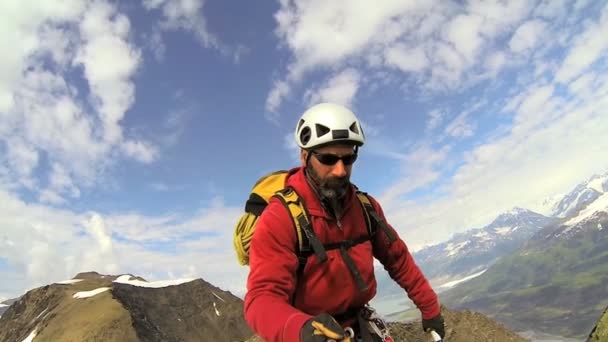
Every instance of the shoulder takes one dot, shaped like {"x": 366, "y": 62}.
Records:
{"x": 276, "y": 223}
{"x": 373, "y": 201}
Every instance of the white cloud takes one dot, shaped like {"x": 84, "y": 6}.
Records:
{"x": 552, "y": 9}
{"x": 586, "y": 49}
{"x": 464, "y": 33}
{"x": 104, "y": 35}
{"x": 555, "y": 142}
{"x": 321, "y": 33}
{"x": 527, "y": 36}
{"x": 97, "y": 228}
{"x": 156, "y": 44}
{"x": 22, "y": 159}
{"x": 60, "y": 182}
{"x": 439, "y": 43}
{"x": 546, "y": 139}
{"x": 35, "y": 236}
{"x": 340, "y": 88}
{"x": 420, "y": 168}
{"x": 460, "y": 127}
{"x": 495, "y": 62}
{"x": 435, "y": 118}
{"x": 141, "y": 151}
{"x": 187, "y": 15}
{"x": 42, "y": 112}
{"x": 279, "y": 90}
{"x": 407, "y": 59}
{"x": 20, "y": 38}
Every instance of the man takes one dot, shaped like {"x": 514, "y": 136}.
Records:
{"x": 323, "y": 300}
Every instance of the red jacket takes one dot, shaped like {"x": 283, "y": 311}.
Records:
{"x": 325, "y": 287}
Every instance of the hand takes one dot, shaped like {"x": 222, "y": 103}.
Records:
{"x": 322, "y": 328}
{"x": 436, "y": 324}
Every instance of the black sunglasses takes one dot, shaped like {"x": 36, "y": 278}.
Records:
{"x": 332, "y": 159}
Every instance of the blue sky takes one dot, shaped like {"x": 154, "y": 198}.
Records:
{"x": 131, "y": 132}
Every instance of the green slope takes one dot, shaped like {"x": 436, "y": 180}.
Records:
{"x": 559, "y": 288}
{"x": 600, "y": 331}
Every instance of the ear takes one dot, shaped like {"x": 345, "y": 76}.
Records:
{"x": 303, "y": 156}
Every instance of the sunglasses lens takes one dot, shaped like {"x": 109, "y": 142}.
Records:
{"x": 331, "y": 159}
{"x": 328, "y": 159}
{"x": 349, "y": 159}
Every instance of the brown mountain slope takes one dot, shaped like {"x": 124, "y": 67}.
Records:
{"x": 461, "y": 326}
{"x": 96, "y": 308}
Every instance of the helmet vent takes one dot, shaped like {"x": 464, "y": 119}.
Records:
{"x": 305, "y": 135}
{"x": 321, "y": 130}
{"x": 339, "y": 134}
{"x": 300, "y": 124}
{"x": 353, "y": 128}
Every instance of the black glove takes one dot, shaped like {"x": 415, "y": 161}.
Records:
{"x": 322, "y": 328}
{"x": 435, "y": 323}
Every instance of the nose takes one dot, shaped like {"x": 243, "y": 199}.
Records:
{"x": 339, "y": 170}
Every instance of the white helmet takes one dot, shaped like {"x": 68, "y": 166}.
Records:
{"x": 327, "y": 123}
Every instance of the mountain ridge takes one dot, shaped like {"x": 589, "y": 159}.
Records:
{"x": 128, "y": 308}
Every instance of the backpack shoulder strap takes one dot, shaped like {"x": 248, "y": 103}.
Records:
{"x": 374, "y": 221}
{"x": 307, "y": 239}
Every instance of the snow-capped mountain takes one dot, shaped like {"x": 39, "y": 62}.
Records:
{"x": 472, "y": 252}
{"x": 469, "y": 254}
{"x": 562, "y": 268}
{"x": 582, "y": 195}
{"x": 588, "y": 218}
{"x": 586, "y": 204}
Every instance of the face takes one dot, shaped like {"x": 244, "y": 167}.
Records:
{"x": 331, "y": 174}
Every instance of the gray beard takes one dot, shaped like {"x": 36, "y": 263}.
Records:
{"x": 331, "y": 191}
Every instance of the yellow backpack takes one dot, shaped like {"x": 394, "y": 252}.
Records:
{"x": 273, "y": 184}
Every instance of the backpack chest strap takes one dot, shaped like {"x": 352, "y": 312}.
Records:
{"x": 309, "y": 243}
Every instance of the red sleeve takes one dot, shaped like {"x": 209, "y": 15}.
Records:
{"x": 271, "y": 282}
{"x": 401, "y": 266}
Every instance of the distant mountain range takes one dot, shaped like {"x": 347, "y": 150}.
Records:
{"x": 531, "y": 271}
{"x": 5, "y": 304}
{"x": 469, "y": 254}
{"x": 557, "y": 281}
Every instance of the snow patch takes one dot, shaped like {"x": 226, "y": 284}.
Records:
{"x": 218, "y": 297}
{"x": 548, "y": 205}
{"x": 573, "y": 203}
{"x": 69, "y": 281}
{"x": 3, "y": 305}
{"x": 599, "y": 226}
{"x": 215, "y": 308}
{"x": 126, "y": 279}
{"x": 87, "y": 294}
{"x": 482, "y": 236}
{"x": 453, "y": 248}
{"x": 600, "y": 204}
{"x": 456, "y": 282}
{"x": 40, "y": 314}
{"x": 597, "y": 184}
{"x": 30, "y": 337}
{"x": 503, "y": 230}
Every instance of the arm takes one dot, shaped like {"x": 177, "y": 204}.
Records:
{"x": 401, "y": 266}
{"x": 272, "y": 278}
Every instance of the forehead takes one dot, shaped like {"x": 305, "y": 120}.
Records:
{"x": 339, "y": 149}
